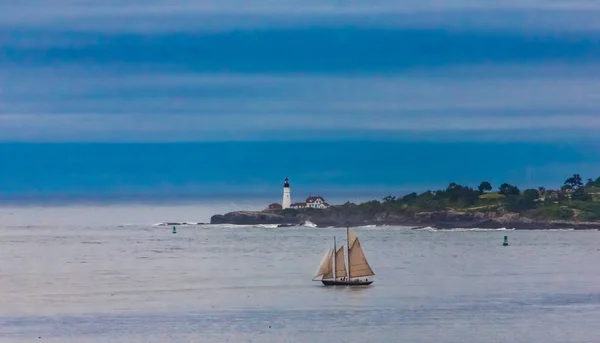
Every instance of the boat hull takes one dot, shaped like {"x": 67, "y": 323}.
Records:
{"x": 347, "y": 282}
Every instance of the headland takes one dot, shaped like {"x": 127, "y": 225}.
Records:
{"x": 576, "y": 205}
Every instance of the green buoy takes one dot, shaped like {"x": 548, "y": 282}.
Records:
{"x": 174, "y": 230}
{"x": 505, "y": 241}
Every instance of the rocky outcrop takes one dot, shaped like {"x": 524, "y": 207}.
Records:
{"x": 352, "y": 215}
{"x": 251, "y": 218}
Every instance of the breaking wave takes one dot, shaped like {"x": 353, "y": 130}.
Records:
{"x": 177, "y": 224}
{"x": 433, "y": 229}
{"x": 267, "y": 226}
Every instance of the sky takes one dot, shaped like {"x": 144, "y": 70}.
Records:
{"x": 345, "y": 97}
{"x": 168, "y": 71}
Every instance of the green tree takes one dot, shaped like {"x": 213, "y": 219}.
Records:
{"x": 428, "y": 195}
{"x": 590, "y": 183}
{"x": 513, "y": 203}
{"x": 410, "y": 198}
{"x": 574, "y": 186}
{"x": 428, "y": 201}
{"x": 574, "y": 182}
{"x": 507, "y": 189}
{"x": 484, "y": 187}
{"x": 530, "y": 196}
{"x": 597, "y": 182}
{"x": 452, "y": 186}
{"x": 581, "y": 195}
{"x": 460, "y": 195}
{"x": 389, "y": 199}
{"x": 372, "y": 203}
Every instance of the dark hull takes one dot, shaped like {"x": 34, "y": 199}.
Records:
{"x": 346, "y": 283}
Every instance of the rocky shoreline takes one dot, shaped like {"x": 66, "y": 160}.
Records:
{"x": 339, "y": 216}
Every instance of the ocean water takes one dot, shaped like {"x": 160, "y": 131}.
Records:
{"x": 356, "y": 170}
{"x": 95, "y": 280}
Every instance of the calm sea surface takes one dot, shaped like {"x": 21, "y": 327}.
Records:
{"x": 141, "y": 283}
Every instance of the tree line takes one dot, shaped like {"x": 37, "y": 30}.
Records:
{"x": 574, "y": 193}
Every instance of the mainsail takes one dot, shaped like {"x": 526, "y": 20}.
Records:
{"x": 357, "y": 262}
{"x": 325, "y": 268}
{"x": 340, "y": 263}
{"x": 351, "y": 239}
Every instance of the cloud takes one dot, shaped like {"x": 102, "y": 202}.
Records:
{"x": 98, "y": 106}
{"x": 175, "y": 128}
{"x": 301, "y": 50}
{"x": 164, "y": 70}
{"x": 67, "y": 8}
{"x": 480, "y": 89}
{"x": 167, "y": 15}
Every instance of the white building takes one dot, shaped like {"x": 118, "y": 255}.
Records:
{"x": 316, "y": 202}
{"x": 297, "y": 205}
{"x": 287, "y": 198}
{"x": 311, "y": 202}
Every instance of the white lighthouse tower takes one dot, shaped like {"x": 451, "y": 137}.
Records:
{"x": 287, "y": 200}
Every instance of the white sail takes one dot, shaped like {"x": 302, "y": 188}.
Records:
{"x": 357, "y": 262}
{"x": 340, "y": 263}
{"x": 325, "y": 268}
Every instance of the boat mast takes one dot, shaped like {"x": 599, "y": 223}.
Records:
{"x": 333, "y": 257}
{"x": 348, "y": 254}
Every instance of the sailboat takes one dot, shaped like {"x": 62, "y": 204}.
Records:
{"x": 333, "y": 270}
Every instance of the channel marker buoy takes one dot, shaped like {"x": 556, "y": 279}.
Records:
{"x": 505, "y": 241}
{"x": 174, "y": 230}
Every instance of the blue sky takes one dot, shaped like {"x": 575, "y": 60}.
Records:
{"x": 233, "y": 70}
{"x": 506, "y": 91}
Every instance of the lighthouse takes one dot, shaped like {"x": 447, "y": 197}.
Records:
{"x": 287, "y": 200}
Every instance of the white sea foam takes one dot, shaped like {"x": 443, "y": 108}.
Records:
{"x": 268, "y": 226}
{"x": 231, "y": 226}
{"x": 433, "y": 229}
{"x": 309, "y": 224}
{"x": 176, "y": 224}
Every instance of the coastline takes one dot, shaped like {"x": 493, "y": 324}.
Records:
{"x": 574, "y": 206}
{"x": 337, "y": 216}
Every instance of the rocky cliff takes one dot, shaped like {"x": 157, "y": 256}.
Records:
{"x": 339, "y": 216}
{"x": 252, "y": 218}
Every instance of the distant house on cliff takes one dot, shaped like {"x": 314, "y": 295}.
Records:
{"x": 548, "y": 194}
{"x": 316, "y": 202}
{"x": 311, "y": 202}
{"x": 274, "y": 206}
{"x": 298, "y": 205}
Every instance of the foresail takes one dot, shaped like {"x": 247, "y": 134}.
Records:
{"x": 351, "y": 239}
{"x": 325, "y": 268}
{"x": 340, "y": 263}
{"x": 357, "y": 261}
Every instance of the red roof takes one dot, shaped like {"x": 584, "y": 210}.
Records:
{"x": 275, "y": 206}
{"x": 312, "y": 199}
